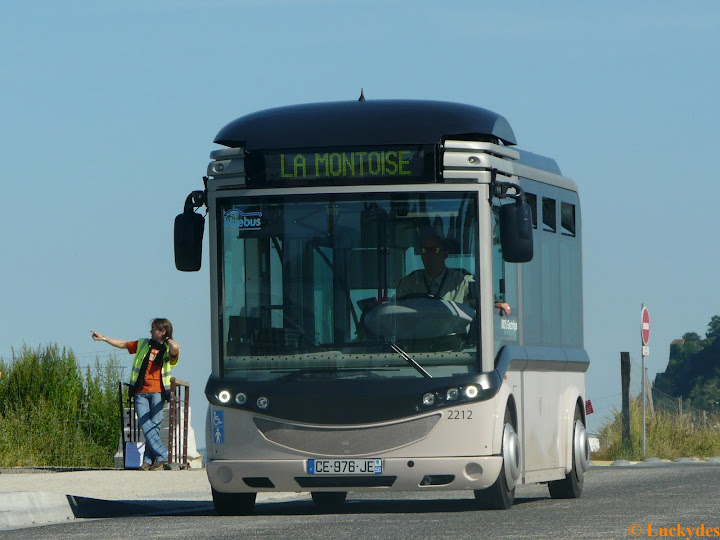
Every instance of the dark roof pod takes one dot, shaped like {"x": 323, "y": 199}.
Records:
{"x": 358, "y": 123}
{"x": 539, "y": 162}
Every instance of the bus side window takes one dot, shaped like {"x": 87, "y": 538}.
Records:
{"x": 497, "y": 262}
{"x": 531, "y": 199}
{"x": 567, "y": 219}
{"x": 504, "y": 273}
{"x": 549, "y": 215}
{"x": 505, "y": 289}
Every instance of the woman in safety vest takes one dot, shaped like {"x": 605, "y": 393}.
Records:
{"x": 150, "y": 384}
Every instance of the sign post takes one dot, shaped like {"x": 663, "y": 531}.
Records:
{"x": 645, "y": 338}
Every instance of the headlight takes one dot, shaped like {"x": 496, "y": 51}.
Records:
{"x": 263, "y": 403}
{"x": 428, "y": 399}
{"x": 223, "y": 396}
{"x": 240, "y": 398}
{"x": 452, "y": 394}
{"x": 471, "y": 391}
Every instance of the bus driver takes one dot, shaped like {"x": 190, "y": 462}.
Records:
{"x": 438, "y": 280}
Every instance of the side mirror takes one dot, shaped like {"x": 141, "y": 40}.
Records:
{"x": 189, "y": 228}
{"x": 516, "y": 231}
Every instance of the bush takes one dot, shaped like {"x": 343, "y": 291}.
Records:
{"x": 668, "y": 435}
{"x": 52, "y": 413}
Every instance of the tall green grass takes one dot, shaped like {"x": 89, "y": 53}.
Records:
{"x": 668, "y": 435}
{"x": 53, "y": 413}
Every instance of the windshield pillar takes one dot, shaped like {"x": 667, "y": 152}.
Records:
{"x": 486, "y": 311}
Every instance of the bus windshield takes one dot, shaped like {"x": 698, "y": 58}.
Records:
{"x": 359, "y": 285}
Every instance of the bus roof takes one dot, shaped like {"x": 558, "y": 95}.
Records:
{"x": 364, "y": 123}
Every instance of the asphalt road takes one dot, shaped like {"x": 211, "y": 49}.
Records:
{"x": 647, "y": 500}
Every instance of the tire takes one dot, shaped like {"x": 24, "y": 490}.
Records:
{"x": 500, "y": 496}
{"x": 329, "y": 500}
{"x": 571, "y": 486}
{"x": 233, "y": 504}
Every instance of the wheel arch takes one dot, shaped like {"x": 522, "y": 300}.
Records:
{"x": 508, "y": 401}
{"x": 572, "y": 401}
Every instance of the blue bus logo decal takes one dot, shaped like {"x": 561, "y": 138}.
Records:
{"x": 244, "y": 221}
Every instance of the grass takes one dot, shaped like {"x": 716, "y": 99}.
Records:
{"x": 53, "y": 413}
{"x": 668, "y": 435}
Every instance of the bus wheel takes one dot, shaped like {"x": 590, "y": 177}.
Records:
{"x": 233, "y": 504}
{"x": 572, "y": 485}
{"x": 501, "y": 495}
{"x": 329, "y": 500}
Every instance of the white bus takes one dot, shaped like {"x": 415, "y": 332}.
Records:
{"x": 324, "y": 379}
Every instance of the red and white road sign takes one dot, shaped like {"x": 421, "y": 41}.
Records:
{"x": 645, "y": 330}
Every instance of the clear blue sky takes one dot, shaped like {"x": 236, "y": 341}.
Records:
{"x": 108, "y": 112}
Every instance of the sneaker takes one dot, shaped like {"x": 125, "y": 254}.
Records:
{"x": 167, "y": 466}
{"x": 145, "y": 466}
{"x": 157, "y": 465}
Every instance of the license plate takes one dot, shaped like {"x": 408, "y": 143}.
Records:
{"x": 344, "y": 466}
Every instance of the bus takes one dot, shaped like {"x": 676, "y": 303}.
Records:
{"x": 323, "y": 378}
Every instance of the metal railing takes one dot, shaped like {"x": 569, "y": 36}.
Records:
{"x": 178, "y": 411}
{"x": 178, "y": 424}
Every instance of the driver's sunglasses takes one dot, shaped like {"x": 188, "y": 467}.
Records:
{"x": 434, "y": 250}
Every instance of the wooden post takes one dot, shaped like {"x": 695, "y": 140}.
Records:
{"x": 625, "y": 383}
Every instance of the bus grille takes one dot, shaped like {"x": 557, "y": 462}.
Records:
{"x": 355, "y": 441}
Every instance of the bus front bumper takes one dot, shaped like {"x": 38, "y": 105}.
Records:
{"x": 398, "y": 474}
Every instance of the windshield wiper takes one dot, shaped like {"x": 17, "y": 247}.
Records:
{"x": 296, "y": 374}
{"x": 405, "y": 356}
{"x": 409, "y": 359}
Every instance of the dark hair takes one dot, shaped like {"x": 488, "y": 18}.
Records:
{"x": 163, "y": 324}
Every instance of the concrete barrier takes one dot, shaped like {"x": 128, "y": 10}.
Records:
{"x": 24, "y": 509}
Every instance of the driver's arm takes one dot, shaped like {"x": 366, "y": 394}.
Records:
{"x": 471, "y": 293}
{"x": 406, "y": 286}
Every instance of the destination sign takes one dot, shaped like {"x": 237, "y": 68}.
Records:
{"x": 393, "y": 163}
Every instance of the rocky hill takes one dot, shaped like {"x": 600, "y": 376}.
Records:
{"x": 693, "y": 370}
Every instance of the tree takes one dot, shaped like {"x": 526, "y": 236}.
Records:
{"x": 705, "y": 392}
{"x": 691, "y": 345}
{"x": 713, "y": 328}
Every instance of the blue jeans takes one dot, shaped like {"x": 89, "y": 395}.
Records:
{"x": 149, "y": 409}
